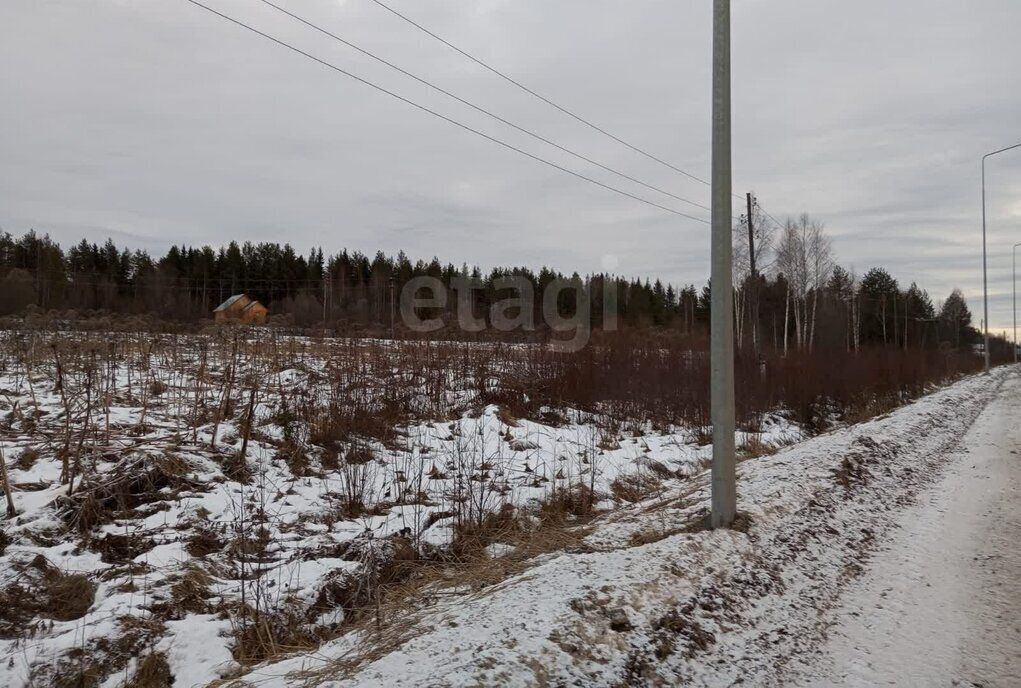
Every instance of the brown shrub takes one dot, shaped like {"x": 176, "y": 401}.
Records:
{"x": 347, "y": 422}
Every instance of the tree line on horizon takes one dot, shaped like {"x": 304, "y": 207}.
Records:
{"x": 790, "y": 293}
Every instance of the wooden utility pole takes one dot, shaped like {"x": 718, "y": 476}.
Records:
{"x": 721, "y": 338}
{"x": 907, "y": 308}
{"x": 392, "y": 309}
{"x": 755, "y": 279}
{"x": 329, "y": 296}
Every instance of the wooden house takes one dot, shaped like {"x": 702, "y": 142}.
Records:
{"x": 241, "y": 308}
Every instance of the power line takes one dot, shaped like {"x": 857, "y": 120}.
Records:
{"x": 546, "y": 100}
{"x": 440, "y": 116}
{"x": 478, "y": 107}
{"x": 766, "y": 213}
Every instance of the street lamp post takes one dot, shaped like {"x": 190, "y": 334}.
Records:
{"x": 985, "y": 273}
{"x": 1014, "y": 277}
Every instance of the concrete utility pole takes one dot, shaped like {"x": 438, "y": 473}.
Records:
{"x": 985, "y": 274}
{"x": 1015, "y": 300}
{"x": 721, "y": 336}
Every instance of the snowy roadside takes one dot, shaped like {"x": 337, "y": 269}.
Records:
{"x": 941, "y": 601}
{"x": 648, "y": 601}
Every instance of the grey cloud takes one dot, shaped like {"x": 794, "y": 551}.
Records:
{"x": 156, "y": 122}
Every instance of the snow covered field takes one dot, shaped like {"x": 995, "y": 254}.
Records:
{"x": 189, "y": 507}
{"x": 200, "y": 503}
{"x": 673, "y": 607}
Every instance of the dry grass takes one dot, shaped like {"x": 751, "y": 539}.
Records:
{"x": 634, "y": 487}
{"x": 297, "y": 459}
{"x": 385, "y": 615}
{"x": 259, "y": 637}
{"x": 131, "y": 485}
{"x": 471, "y": 537}
{"x": 76, "y": 671}
{"x": 93, "y": 663}
{"x": 204, "y": 541}
{"x": 118, "y": 548}
{"x": 42, "y": 591}
{"x": 189, "y": 592}
{"x": 566, "y": 504}
{"x": 27, "y": 459}
{"x": 68, "y": 596}
{"x": 394, "y": 621}
{"x": 754, "y": 447}
{"x": 235, "y": 467}
{"x": 153, "y": 672}
{"x": 649, "y": 536}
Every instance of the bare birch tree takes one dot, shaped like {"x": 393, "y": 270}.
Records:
{"x": 805, "y": 257}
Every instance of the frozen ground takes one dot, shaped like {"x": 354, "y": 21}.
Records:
{"x": 896, "y": 539}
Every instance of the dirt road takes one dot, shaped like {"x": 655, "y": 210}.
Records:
{"x": 940, "y": 604}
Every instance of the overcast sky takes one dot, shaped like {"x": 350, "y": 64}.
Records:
{"x": 155, "y": 122}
